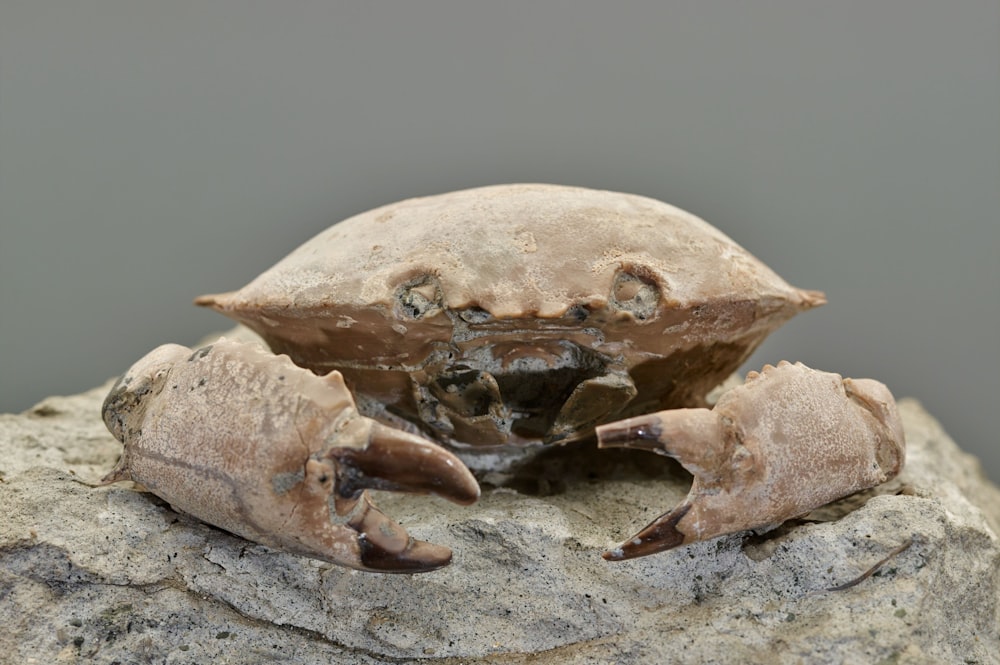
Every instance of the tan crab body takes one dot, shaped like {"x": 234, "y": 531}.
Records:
{"x": 501, "y": 316}
{"x": 519, "y": 313}
{"x": 251, "y": 443}
{"x": 789, "y": 440}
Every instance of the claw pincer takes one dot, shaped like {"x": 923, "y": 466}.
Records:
{"x": 789, "y": 440}
{"x": 255, "y": 445}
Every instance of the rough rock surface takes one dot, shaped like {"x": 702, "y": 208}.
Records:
{"x": 907, "y": 573}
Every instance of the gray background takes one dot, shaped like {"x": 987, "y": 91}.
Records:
{"x": 150, "y": 152}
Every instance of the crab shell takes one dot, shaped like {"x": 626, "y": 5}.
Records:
{"x": 516, "y": 314}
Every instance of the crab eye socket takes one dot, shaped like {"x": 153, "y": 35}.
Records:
{"x": 419, "y": 298}
{"x": 634, "y": 294}
{"x": 578, "y": 313}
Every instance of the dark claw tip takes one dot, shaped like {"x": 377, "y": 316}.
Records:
{"x": 632, "y": 432}
{"x": 396, "y": 461}
{"x": 418, "y": 557}
{"x": 661, "y": 535}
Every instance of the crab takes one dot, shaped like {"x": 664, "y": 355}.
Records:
{"x": 511, "y": 317}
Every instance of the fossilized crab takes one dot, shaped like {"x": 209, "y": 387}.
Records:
{"x": 522, "y": 315}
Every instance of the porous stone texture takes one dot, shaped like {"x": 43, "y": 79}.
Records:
{"x": 905, "y": 573}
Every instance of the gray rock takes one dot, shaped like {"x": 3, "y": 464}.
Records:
{"x": 906, "y": 573}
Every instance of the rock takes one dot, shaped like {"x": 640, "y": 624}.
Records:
{"x": 906, "y": 573}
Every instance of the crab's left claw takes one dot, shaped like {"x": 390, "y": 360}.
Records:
{"x": 694, "y": 438}
{"x": 789, "y": 440}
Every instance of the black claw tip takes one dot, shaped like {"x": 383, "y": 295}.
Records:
{"x": 661, "y": 535}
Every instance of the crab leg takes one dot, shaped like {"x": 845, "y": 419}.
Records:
{"x": 250, "y": 443}
{"x": 790, "y": 440}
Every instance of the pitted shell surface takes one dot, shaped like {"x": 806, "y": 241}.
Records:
{"x": 519, "y": 313}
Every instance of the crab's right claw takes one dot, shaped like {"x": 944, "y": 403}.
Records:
{"x": 363, "y": 538}
{"x": 385, "y": 546}
{"x": 396, "y": 461}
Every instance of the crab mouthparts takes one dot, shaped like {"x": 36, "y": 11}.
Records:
{"x": 502, "y": 392}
